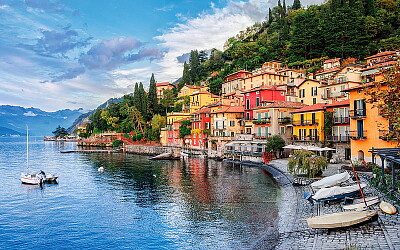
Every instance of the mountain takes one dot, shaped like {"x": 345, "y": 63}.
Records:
{"x": 8, "y": 132}
{"x": 40, "y": 122}
{"x": 78, "y": 121}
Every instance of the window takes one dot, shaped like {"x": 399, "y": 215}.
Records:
{"x": 313, "y": 121}
{"x": 302, "y": 93}
{"x": 314, "y": 100}
{"x": 247, "y": 104}
{"x": 216, "y": 125}
{"x": 248, "y": 130}
{"x": 258, "y": 101}
{"x": 282, "y": 130}
{"x": 232, "y": 134}
{"x": 207, "y": 125}
{"x": 247, "y": 116}
{"x": 314, "y": 91}
{"x": 232, "y": 123}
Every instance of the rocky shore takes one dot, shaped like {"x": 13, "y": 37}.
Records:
{"x": 295, "y": 234}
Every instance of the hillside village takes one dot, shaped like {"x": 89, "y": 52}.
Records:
{"x": 323, "y": 111}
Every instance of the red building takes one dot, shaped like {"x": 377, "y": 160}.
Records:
{"x": 254, "y": 97}
{"x": 201, "y": 121}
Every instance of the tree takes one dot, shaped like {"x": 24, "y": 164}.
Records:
{"x": 167, "y": 100}
{"x": 385, "y": 96}
{"x": 141, "y": 101}
{"x": 194, "y": 64}
{"x": 203, "y": 56}
{"x": 275, "y": 144}
{"x": 306, "y": 162}
{"x": 185, "y": 76}
{"x": 296, "y": 5}
{"x": 60, "y": 132}
{"x": 152, "y": 97}
{"x": 270, "y": 17}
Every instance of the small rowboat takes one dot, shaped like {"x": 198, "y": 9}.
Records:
{"x": 330, "y": 181}
{"x": 360, "y": 204}
{"x": 343, "y": 219}
{"x": 387, "y": 207}
{"x": 334, "y": 193}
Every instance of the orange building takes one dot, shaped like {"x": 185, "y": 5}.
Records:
{"x": 161, "y": 86}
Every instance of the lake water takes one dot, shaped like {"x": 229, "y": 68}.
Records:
{"x": 135, "y": 203}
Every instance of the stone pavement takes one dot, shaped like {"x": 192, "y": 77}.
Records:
{"x": 295, "y": 234}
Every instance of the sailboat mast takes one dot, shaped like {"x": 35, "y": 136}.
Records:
{"x": 27, "y": 147}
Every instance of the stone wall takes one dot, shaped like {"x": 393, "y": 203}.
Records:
{"x": 152, "y": 150}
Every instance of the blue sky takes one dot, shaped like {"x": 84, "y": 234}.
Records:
{"x": 78, "y": 53}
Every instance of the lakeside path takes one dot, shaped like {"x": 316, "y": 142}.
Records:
{"x": 295, "y": 234}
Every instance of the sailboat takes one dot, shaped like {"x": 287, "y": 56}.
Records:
{"x": 34, "y": 179}
{"x": 26, "y": 178}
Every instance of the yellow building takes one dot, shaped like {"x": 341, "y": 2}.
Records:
{"x": 308, "y": 123}
{"x": 188, "y": 90}
{"x": 200, "y": 99}
{"x": 310, "y": 92}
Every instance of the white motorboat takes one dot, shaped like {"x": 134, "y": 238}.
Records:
{"x": 33, "y": 179}
{"x": 335, "y": 193}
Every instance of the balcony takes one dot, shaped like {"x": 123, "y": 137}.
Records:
{"x": 338, "y": 138}
{"x": 284, "y": 120}
{"x": 341, "y": 120}
{"x": 305, "y": 122}
{"x": 305, "y": 138}
{"x": 326, "y": 96}
{"x": 358, "y": 135}
{"x": 262, "y": 121}
{"x": 291, "y": 93}
{"x": 389, "y": 135}
{"x": 358, "y": 113}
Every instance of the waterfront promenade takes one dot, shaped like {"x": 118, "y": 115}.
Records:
{"x": 295, "y": 234}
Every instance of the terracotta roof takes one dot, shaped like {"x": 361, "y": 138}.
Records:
{"x": 230, "y": 109}
{"x": 380, "y": 65}
{"x": 315, "y": 107}
{"x": 381, "y": 54}
{"x": 183, "y": 119}
{"x": 332, "y": 60}
{"x": 231, "y": 93}
{"x": 264, "y": 87}
{"x": 163, "y": 84}
{"x": 285, "y": 104}
{"x": 215, "y": 96}
{"x": 192, "y": 87}
{"x": 202, "y": 111}
{"x": 314, "y": 80}
{"x": 341, "y": 103}
{"x": 237, "y": 72}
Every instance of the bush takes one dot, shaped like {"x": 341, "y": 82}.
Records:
{"x": 116, "y": 143}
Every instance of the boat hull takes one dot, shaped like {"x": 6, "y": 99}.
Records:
{"x": 31, "y": 179}
{"x": 360, "y": 204}
{"x": 339, "y": 220}
{"x": 387, "y": 208}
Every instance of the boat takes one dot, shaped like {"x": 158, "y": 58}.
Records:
{"x": 334, "y": 193}
{"x": 387, "y": 207}
{"x": 163, "y": 156}
{"x": 35, "y": 179}
{"x": 360, "y": 203}
{"x": 330, "y": 181}
{"x": 342, "y": 219}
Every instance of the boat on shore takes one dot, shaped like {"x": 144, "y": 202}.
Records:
{"x": 330, "y": 181}
{"x": 334, "y": 193}
{"x": 387, "y": 207}
{"x": 342, "y": 219}
{"x": 361, "y": 204}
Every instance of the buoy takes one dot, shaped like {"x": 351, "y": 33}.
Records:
{"x": 100, "y": 169}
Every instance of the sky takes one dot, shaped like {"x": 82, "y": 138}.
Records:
{"x": 79, "y": 53}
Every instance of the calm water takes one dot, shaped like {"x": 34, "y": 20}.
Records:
{"x": 134, "y": 203}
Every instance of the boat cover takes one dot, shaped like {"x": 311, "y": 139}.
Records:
{"x": 332, "y": 191}
{"x": 331, "y": 180}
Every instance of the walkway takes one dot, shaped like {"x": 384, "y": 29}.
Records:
{"x": 295, "y": 234}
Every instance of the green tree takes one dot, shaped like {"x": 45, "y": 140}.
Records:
{"x": 185, "y": 76}
{"x": 194, "y": 64}
{"x": 275, "y": 144}
{"x": 152, "y": 97}
{"x": 296, "y": 5}
{"x": 168, "y": 99}
{"x": 60, "y": 132}
{"x": 306, "y": 162}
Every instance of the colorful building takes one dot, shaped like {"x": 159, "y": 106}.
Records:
{"x": 234, "y": 81}
{"x": 201, "y": 128}
{"x": 200, "y": 99}
{"x": 308, "y": 123}
{"x": 309, "y": 91}
{"x": 253, "y": 99}
{"x": 161, "y": 87}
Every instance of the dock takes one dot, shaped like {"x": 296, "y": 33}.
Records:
{"x": 90, "y": 151}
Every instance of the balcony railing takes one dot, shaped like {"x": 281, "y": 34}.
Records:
{"x": 262, "y": 121}
{"x": 341, "y": 120}
{"x": 333, "y": 95}
{"x": 305, "y": 138}
{"x": 358, "y": 113}
{"x": 358, "y": 135}
{"x": 291, "y": 93}
{"x": 284, "y": 120}
{"x": 338, "y": 138}
{"x": 389, "y": 135}
{"x": 305, "y": 122}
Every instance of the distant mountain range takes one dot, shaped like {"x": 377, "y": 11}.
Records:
{"x": 14, "y": 118}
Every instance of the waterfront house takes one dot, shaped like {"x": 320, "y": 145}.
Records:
{"x": 234, "y": 81}
{"x": 199, "y": 99}
{"x": 201, "y": 128}
{"x": 253, "y": 99}
{"x": 308, "y": 123}
{"x": 340, "y": 128}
